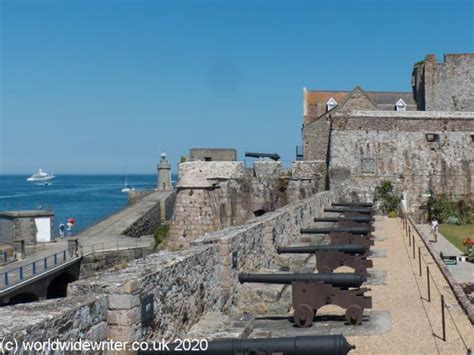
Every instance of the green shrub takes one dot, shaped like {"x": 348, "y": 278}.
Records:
{"x": 387, "y": 198}
{"x": 445, "y": 210}
{"x": 392, "y": 214}
{"x": 160, "y": 234}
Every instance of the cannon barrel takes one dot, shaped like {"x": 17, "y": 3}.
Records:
{"x": 341, "y": 279}
{"x": 352, "y": 230}
{"x": 345, "y": 218}
{"x": 272, "y": 156}
{"x": 350, "y": 209}
{"x": 301, "y": 345}
{"x": 351, "y": 249}
{"x": 353, "y": 204}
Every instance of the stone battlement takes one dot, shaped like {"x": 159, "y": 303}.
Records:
{"x": 165, "y": 294}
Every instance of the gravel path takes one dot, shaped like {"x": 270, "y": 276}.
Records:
{"x": 416, "y": 323}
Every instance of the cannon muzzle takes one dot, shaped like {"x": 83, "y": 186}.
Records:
{"x": 341, "y": 280}
{"x": 352, "y": 230}
{"x": 302, "y": 345}
{"x": 351, "y": 249}
{"x": 272, "y": 156}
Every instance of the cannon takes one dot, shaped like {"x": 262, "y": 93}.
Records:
{"x": 353, "y": 230}
{"x": 350, "y": 210}
{"x": 344, "y": 235}
{"x": 353, "y": 204}
{"x": 352, "y": 249}
{"x": 312, "y": 291}
{"x": 301, "y": 345}
{"x": 349, "y": 221}
{"x": 358, "y": 219}
{"x": 330, "y": 257}
{"x": 272, "y": 156}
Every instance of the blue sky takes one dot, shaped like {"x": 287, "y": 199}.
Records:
{"x": 104, "y": 86}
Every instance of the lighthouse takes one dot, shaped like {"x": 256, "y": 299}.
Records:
{"x": 164, "y": 173}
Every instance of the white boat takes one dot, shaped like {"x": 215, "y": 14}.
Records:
{"x": 126, "y": 187}
{"x": 41, "y": 176}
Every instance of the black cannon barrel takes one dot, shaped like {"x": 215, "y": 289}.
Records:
{"x": 351, "y": 249}
{"x": 350, "y": 209}
{"x": 353, "y": 204}
{"x": 301, "y": 345}
{"x": 345, "y": 218}
{"x": 340, "y": 279}
{"x": 272, "y": 156}
{"x": 352, "y": 230}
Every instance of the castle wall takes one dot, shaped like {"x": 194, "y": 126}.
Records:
{"x": 396, "y": 148}
{"x": 446, "y": 86}
{"x": 216, "y": 195}
{"x": 83, "y": 317}
{"x": 316, "y": 139}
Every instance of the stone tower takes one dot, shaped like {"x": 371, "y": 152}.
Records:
{"x": 164, "y": 174}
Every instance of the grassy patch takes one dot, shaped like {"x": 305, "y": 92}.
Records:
{"x": 456, "y": 234}
{"x": 160, "y": 234}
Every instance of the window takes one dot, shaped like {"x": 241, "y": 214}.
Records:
{"x": 331, "y": 104}
{"x": 207, "y": 159}
{"x": 400, "y": 105}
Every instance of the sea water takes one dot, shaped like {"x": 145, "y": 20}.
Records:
{"x": 86, "y": 198}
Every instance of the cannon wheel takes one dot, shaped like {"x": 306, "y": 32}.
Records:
{"x": 303, "y": 315}
{"x": 354, "y": 314}
{"x": 325, "y": 269}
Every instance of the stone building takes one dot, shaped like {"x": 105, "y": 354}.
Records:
{"x": 446, "y": 86}
{"x": 30, "y": 226}
{"x": 419, "y": 141}
{"x": 213, "y": 154}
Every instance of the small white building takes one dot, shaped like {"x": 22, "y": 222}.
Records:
{"x": 31, "y": 226}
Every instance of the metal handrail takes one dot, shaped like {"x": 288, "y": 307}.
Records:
{"x": 34, "y": 268}
{"x": 410, "y": 233}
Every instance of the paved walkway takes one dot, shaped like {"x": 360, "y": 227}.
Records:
{"x": 463, "y": 271}
{"x": 416, "y": 323}
{"x": 105, "y": 235}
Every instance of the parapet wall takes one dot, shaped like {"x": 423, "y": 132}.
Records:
{"x": 157, "y": 214}
{"x": 164, "y": 294}
{"x": 83, "y": 317}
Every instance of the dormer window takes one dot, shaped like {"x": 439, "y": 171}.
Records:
{"x": 331, "y": 104}
{"x": 400, "y": 105}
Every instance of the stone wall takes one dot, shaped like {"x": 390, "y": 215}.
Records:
{"x": 316, "y": 138}
{"x": 252, "y": 246}
{"x": 163, "y": 295}
{"x": 306, "y": 177}
{"x": 147, "y": 223}
{"x": 216, "y": 195}
{"x": 136, "y": 195}
{"x": 397, "y": 148}
{"x": 83, "y": 317}
{"x": 179, "y": 287}
{"x": 96, "y": 262}
{"x": 213, "y": 154}
{"x": 446, "y": 86}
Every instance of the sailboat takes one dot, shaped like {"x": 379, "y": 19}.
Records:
{"x": 126, "y": 187}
